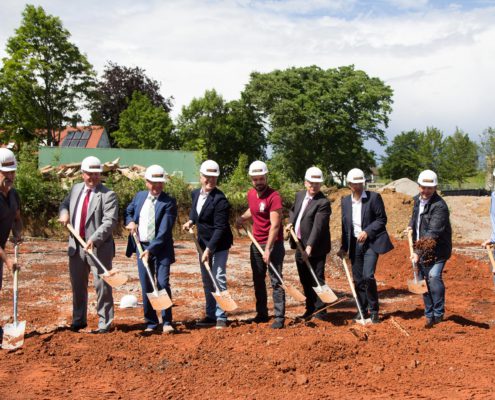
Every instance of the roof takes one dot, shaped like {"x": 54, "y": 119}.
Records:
{"x": 81, "y": 136}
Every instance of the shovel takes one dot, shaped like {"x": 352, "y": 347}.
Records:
{"x": 13, "y": 334}
{"x": 414, "y": 285}
{"x": 492, "y": 261}
{"x": 362, "y": 320}
{"x": 323, "y": 291}
{"x": 113, "y": 277}
{"x": 223, "y": 298}
{"x": 296, "y": 294}
{"x": 159, "y": 299}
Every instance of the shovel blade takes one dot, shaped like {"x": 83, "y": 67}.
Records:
{"x": 225, "y": 300}
{"x": 114, "y": 278}
{"x": 159, "y": 300}
{"x": 363, "y": 321}
{"x": 325, "y": 294}
{"x": 417, "y": 287}
{"x": 296, "y": 294}
{"x": 13, "y": 335}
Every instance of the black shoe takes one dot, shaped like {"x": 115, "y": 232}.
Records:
{"x": 437, "y": 320}
{"x": 100, "y": 331}
{"x": 307, "y": 314}
{"x": 429, "y": 323}
{"x": 258, "y": 319}
{"x": 277, "y": 324}
{"x": 206, "y": 321}
{"x": 375, "y": 319}
{"x": 77, "y": 328}
{"x": 322, "y": 316}
{"x": 221, "y": 324}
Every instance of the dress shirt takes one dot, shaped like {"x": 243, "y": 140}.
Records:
{"x": 357, "y": 206}
{"x": 422, "y": 204}
{"x": 80, "y": 201}
{"x": 299, "y": 217}
{"x": 143, "y": 218}
{"x": 201, "y": 201}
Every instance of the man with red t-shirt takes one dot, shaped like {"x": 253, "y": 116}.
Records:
{"x": 265, "y": 210}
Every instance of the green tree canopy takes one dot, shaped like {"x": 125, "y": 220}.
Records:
{"x": 44, "y": 78}
{"x": 321, "y": 117}
{"x": 221, "y": 130}
{"x": 487, "y": 148}
{"x": 145, "y": 126}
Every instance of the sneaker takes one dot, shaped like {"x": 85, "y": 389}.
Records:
{"x": 437, "y": 320}
{"x": 221, "y": 324}
{"x": 258, "y": 319}
{"x": 100, "y": 331}
{"x": 429, "y": 323}
{"x": 149, "y": 329}
{"x": 375, "y": 319}
{"x": 206, "y": 321}
{"x": 277, "y": 324}
{"x": 168, "y": 329}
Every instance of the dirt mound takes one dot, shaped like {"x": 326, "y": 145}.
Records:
{"x": 403, "y": 185}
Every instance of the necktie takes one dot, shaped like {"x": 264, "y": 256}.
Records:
{"x": 84, "y": 213}
{"x": 298, "y": 228}
{"x": 151, "y": 219}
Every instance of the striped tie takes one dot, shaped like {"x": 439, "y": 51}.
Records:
{"x": 151, "y": 219}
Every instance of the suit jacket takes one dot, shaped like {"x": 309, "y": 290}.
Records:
{"x": 101, "y": 219}
{"x": 213, "y": 221}
{"x": 315, "y": 223}
{"x": 373, "y": 222}
{"x": 434, "y": 223}
{"x": 162, "y": 246}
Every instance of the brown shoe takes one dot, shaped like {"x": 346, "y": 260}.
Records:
{"x": 429, "y": 323}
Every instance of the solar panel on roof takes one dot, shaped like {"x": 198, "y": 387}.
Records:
{"x": 82, "y": 143}
{"x": 85, "y": 135}
{"x": 70, "y": 135}
{"x": 77, "y": 135}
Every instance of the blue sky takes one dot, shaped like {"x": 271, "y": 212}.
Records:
{"x": 438, "y": 56}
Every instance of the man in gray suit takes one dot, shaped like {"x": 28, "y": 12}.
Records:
{"x": 93, "y": 211}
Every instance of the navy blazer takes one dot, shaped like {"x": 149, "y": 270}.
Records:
{"x": 162, "y": 246}
{"x": 373, "y": 222}
{"x": 213, "y": 221}
{"x": 315, "y": 223}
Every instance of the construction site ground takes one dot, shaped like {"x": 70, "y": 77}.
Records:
{"x": 318, "y": 359}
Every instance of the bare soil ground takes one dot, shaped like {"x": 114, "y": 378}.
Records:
{"x": 318, "y": 359}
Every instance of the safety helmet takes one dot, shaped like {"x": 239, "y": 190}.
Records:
{"x": 428, "y": 178}
{"x": 494, "y": 172}
{"x": 155, "y": 173}
{"x": 7, "y": 160}
{"x": 258, "y": 168}
{"x": 209, "y": 168}
{"x": 128, "y": 301}
{"x": 314, "y": 174}
{"x": 356, "y": 175}
{"x": 91, "y": 164}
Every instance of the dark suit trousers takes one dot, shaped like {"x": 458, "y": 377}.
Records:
{"x": 313, "y": 302}
{"x": 364, "y": 261}
{"x": 259, "y": 273}
{"x": 162, "y": 273}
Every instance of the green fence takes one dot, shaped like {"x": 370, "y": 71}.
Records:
{"x": 175, "y": 162}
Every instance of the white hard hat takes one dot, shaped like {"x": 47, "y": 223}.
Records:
{"x": 91, "y": 164}
{"x": 428, "y": 178}
{"x": 7, "y": 160}
{"x": 210, "y": 168}
{"x": 313, "y": 174}
{"x": 258, "y": 168}
{"x": 494, "y": 172}
{"x": 128, "y": 301}
{"x": 155, "y": 173}
{"x": 356, "y": 175}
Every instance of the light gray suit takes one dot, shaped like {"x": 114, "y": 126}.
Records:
{"x": 102, "y": 217}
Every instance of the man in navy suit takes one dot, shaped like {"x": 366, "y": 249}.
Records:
{"x": 151, "y": 214}
{"x": 210, "y": 213}
{"x": 364, "y": 236}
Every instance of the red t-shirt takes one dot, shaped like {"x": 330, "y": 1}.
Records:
{"x": 260, "y": 208}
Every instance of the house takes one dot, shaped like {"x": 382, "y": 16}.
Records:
{"x": 89, "y": 137}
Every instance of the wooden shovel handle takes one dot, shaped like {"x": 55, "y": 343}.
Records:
{"x": 410, "y": 240}
{"x": 490, "y": 256}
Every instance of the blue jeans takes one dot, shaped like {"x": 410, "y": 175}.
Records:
{"x": 218, "y": 269}
{"x": 434, "y": 299}
{"x": 162, "y": 273}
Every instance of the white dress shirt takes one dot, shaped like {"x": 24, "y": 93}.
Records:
{"x": 422, "y": 204}
{"x": 201, "y": 200}
{"x": 299, "y": 217}
{"x": 77, "y": 216}
{"x": 143, "y": 219}
{"x": 357, "y": 206}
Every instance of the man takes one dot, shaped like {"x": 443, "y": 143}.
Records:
{"x": 430, "y": 219}
{"x": 265, "y": 210}
{"x": 310, "y": 217}
{"x": 93, "y": 211}
{"x": 210, "y": 213}
{"x": 151, "y": 214}
{"x": 10, "y": 208}
{"x": 364, "y": 237}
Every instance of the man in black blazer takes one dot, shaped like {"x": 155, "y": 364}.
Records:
{"x": 310, "y": 217}
{"x": 364, "y": 236}
{"x": 210, "y": 213}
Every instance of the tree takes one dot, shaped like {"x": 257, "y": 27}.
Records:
{"x": 487, "y": 148}
{"x": 145, "y": 126}
{"x": 221, "y": 130}
{"x": 412, "y": 152}
{"x": 459, "y": 158}
{"x": 321, "y": 117}
{"x": 44, "y": 78}
{"x": 115, "y": 90}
